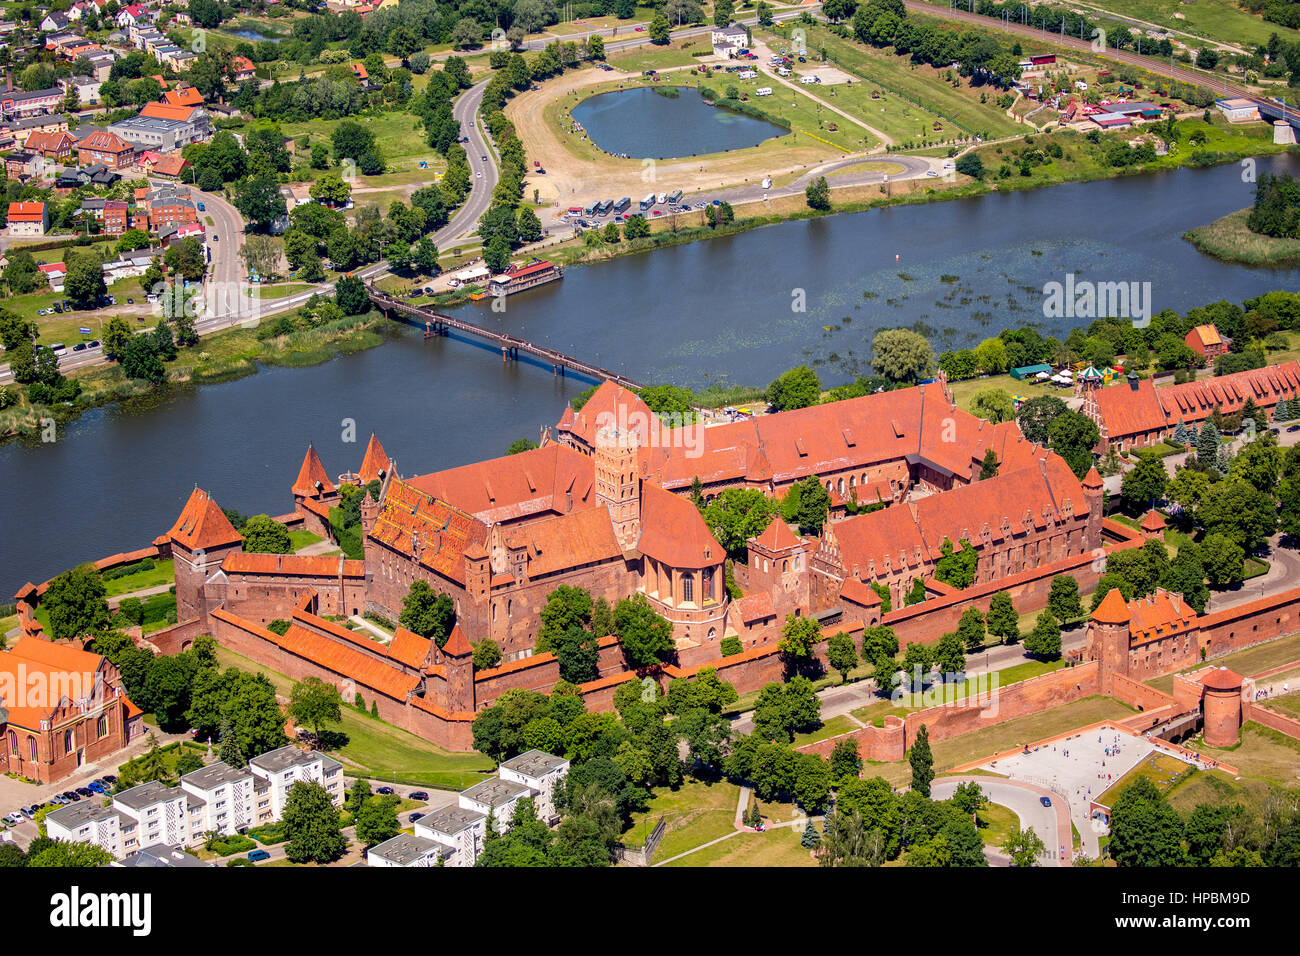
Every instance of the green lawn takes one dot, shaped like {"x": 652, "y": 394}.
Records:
{"x": 644, "y": 58}
{"x": 1251, "y": 661}
{"x": 1161, "y": 769}
{"x": 379, "y": 749}
{"x": 831, "y": 728}
{"x": 996, "y": 823}
{"x": 163, "y": 572}
{"x": 303, "y": 538}
{"x": 1220, "y": 20}
{"x": 775, "y": 847}
{"x": 924, "y": 86}
{"x": 1265, "y": 760}
{"x": 695, "y": 813}
{"x": 402, "y": 144}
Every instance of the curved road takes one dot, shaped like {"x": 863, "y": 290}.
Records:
{"x": 1052, "y": 824}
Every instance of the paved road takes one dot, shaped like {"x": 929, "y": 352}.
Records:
{"x": 482, "y": 163}
{"x": 1052, "y": 824}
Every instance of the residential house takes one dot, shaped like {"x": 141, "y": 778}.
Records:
{"x": 116, "y": 218}
{"x": 30, "y": 219}
{"x": 227, "y": 796}
{"x": 53, "y": 22}
{"x": 161, "y": 856}
{"x": 242, "y": 69}
{"x": 106, "y": 147}
{"x": 19, "y": 104}
{"x": 53, "y": 146}
{"x": 164, "y": 128}
{"x": 278, "y": 770}
{"x": 22, "y": 165}
{"x": 406, "y": 850}
{"x": 1206, "y": 341}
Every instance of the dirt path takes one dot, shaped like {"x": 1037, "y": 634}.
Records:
{"x": 571, "y": 180}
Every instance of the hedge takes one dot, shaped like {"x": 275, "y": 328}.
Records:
{"x": 125, "y": 570}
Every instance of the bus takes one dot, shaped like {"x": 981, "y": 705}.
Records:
{"x": 674, "y": 197}
{"x": 590, "y": 210}
{"x": 622, "y": 204}
{"x": 604, "y": 208}
{"x": 648, "y": 201}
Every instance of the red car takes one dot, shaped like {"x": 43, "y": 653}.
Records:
{"x": 640, "y": 29}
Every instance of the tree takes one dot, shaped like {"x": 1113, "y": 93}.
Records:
{"x": 185, "y": 258}
{"x": 1037, "y": 414}
{"x": 530, "y": 227}
{"x": 950, "y": 653}
{"x": 782, "y": 709}
{"x": 922, "y": 762}
{"x": 84, "y": 282}
{"x": 428, "y": 614}
{"x": 1063, "y": 598}
{"x": 577, "y": 654}
{"x": 311, "y": 823}
{"x": 141, "y": 363}
{"x": 376, "y": 821}
{"x": 61, "y": 853}
{"x": 846, "y": 763}
{"x": 1223, "y": 559}
{"x": 357, "y": 797}
{"x": 265, "y": 535}
{"x": 1023, "y": 846}
{"x": 736, "y": 515}
{"x": 1144, "y": 829}
{"x": 1207, "y": 445}
{"x": 1240, "y": 511}
{"x": 807, "y": 503}
{"x": 956, "y": 568}
{"x": 75, "y": 603}
{"x": 659, "y": 30}
{"x": 647, "y": 638}
{"x": 902, "y": 356}
{"x": 487, "y": 654}
{"x": 818, "y": 194}
{"x": 331, "y": 189}
{"x": 566, "y": 607}
{"x": 1145, "y": 484}
{"x": 315, "y": 703}
{"x": 1045, "y": 639}
{"x": 1073, "y": 435}
{"x": 797, "y": 639}
{"x": 351, "y": 296}
{"x": 971, "y": 165}
{"x": 989, "y": 466}
{"x": 1003, "y": 619}
{"x": 842, "y": 654}
{"x": 259, "y": 201}
{"x": 797, "y": 388}
{"x": 638, "y": 227}
{"x": 810, "y": 840}
{"x": 971, "y": 628}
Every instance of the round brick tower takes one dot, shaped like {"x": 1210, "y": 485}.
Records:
{"x": 1222, "y": 707}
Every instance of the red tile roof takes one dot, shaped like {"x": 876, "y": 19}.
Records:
{"x": 609, "y": 405}
{"x": 1113, "y": 609}
{"x": 443, "y": 531}
{"x": 409, "y": 648}
{"x": 299, "y": 565}
{"x": 1221, "y": 678}
{"x": 186, "y": 97}
{"x": 565, "y": 541}
{"x": 1152, "y": 521}
{"x": 168, "y": 112}
{"x": 754, "y": 607}
{"x": 311, "y": 473}
{"x": 777, "y": 536}
{"x": 1158, "y": 615}
{"x": 26, "y": 211}
{"x": 553, "y": 479}
{"x": 1208, "y": 334}
{"x": 860, "y": 593}
{"x": 673, "y": 531}
{"x": 202, "y": 524}
{"x": 457, "y": 644}
{"x": 60, "y": 665}
{"x": 105, "y": 142}
{"x": 374, "y": 461}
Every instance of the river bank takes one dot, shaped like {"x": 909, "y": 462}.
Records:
{"x": 1230, "y": 240}
{"x": 222, "y": 357}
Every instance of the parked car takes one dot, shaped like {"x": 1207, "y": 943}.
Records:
{"x": 386, "y": 791}
{"x": 93, "y": 344}
{"x": 257, "y": 856}
{"x": 419, "y": 795}
{"x": 79, "y": 347}
{"x": 95, "y": 787}
{"x": 108, "y": 777}
{"x": 85, "y": 791}
{"x": 416, "y": 816}
{"x": 58, "y": 307}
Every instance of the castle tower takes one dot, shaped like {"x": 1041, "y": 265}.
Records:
{"x": 1093, "y": 493}
{"x": 779, "y": 566}
{"x": 313, "y": 493}
{"x": 375, "y": 464}
{"x": 1108, "y": 637}
{"x": 617, "y": 484}
{"x": 1221, "y": 707}
{"x": 1153, "y": 525}
{"x": 459, "y": 659}
{"x": 200, "y": 540}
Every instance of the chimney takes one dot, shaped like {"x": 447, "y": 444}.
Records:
{"x": 1133, "y": 380}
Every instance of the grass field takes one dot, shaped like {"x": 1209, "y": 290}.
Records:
{"x": 1265, "y": 760}
{"x": 695, "y": 813}
{"x": 163, "y": 572}
{"x": 303, "y": 538}
{"x": 775, "y": 847}
{"x": 640, "y": 59}
{"x": 996, "y": 823}
{"x": 402, "y": 144}
{"x": 1253, "y": 660}
{"x": 1161, "y": 769}
{"x": 379, "y": 749}
{"x": 831, "y": 728}
{"x": 1220, "y": 20}
{"x": 1230, "y": 240}
{"x": 929, "y": 95}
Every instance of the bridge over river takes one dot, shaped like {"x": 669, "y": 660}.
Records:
{"x": 436, "y": 323}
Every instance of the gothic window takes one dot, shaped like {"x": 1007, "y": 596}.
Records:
{"x": 67, "y": 742}
{"x": 31, "y": 748}
{"x": 708, "y": 586}
{"x": 101, "y": 727}
{"x": 13, "y": 742}
{"x": 688, "y": 587}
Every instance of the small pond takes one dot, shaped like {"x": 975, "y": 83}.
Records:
{"x": 645, "y": 123}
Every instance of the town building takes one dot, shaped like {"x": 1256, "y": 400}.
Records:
{"x": 164, "y": 128}
{"x": 28, "y": 219}
{"x": 105, "y": 148}
{"x": 20, "y": 104}
{"x": 1138, "y": 413}
{"x": 279, "y": 770}
{"x": 57, "y": 147}
{"x": 1206, "y": 341}
{"x": 161, "y": 856}
{"x": 226, "y": 795}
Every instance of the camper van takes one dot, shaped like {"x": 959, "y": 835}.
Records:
{"x": 763, "y": 91}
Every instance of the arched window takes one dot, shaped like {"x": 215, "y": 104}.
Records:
{"x": 785, "y": 565}
{"x": 688, "y": 587}
{"x": 13, "y": 743}
{"x": 708, "y": 586}
{"x": 841, "y": 486}
{"x": 101, "y": 727}
{"x": 31, "y": 748}
{"x": 68, "y": 742}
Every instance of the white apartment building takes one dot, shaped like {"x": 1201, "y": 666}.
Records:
{"x": 278, "y": 770}
{"x": 161, "y": 814}
{"x": 226, "y": 795}
{"x": 87, "y": 823}
{"x": 457, "y": 832}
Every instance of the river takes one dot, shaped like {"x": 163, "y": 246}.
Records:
{"x": 692, "y": 314}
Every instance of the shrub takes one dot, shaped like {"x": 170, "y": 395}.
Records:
{"x": 731, "y": 646}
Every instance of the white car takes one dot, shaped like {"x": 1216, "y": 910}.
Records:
{"x": 931, "y": 172}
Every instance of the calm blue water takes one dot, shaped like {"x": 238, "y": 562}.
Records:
{"x": 640, "y": 123}
{"x": 715, "y": 311}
